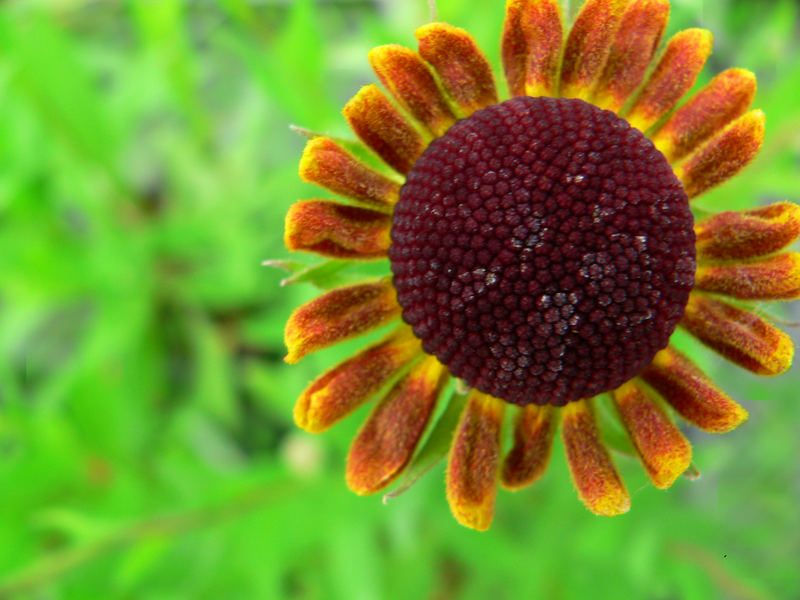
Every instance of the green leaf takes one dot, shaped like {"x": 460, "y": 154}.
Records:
{"x": 325, "y": 275}
{"x": 610, "y": 429}
{"x": 435, "y": 447}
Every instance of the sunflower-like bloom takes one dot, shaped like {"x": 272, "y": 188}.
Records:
{"x": 543, "y": 252}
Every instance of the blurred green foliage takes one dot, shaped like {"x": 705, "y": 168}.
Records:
{"x": 146, "y": 442}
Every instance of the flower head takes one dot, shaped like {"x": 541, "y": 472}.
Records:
{"x": 543, "y": 251}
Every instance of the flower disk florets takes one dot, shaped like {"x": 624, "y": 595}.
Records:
{"x": 543, "y": 250}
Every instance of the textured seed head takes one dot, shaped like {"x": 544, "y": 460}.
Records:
{"x": 543, "y": 250}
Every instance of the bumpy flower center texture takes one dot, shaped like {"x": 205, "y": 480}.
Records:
{"x": 543, "y": 250}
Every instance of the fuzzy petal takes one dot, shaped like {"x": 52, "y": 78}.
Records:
{"x": 327, "y": 164}
{"x": 341, "y": 390}
{"x": 664, "y": 451}
{"x": 473, "y": 462}
{"x": 593, "y": 472}
{"x": 403, "y": 72}
{"x": 675, "y": 74}
{"x": 748, "y": 234}
{"x": 693, "y": 395}
{"x": 738, "y": 335}
{"x": 527, "y": 461}
{"x": 336, "y": 230}
{"x": 773, "y": 278}
{"x": 724, "y": 99}
{"x": 634, "y": 46}
{"x": 388, "y": 438}
{"x": 588, "y": 46}
{"x": 462, "y": 67}
{"x": 727, "y": 153}
{"x": 380, "y": 126}
{"x": 339, "y": 315}
{"x": 531, "y": 46}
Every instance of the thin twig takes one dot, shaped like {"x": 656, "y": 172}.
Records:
{"x": 56, "y": 564}
{"x": 434, "y": 13}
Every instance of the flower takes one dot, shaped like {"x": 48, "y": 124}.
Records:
{"x": 543, "y": 252}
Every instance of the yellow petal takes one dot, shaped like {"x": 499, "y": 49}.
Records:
{"x": 738, "y": 335}
{"x": 531, "y": 46}
{"x": 588, "y": 46}
{"x": 691, "y": 393}
{"x": 674, "y": 75}
{"x": 664, "y": 451}
{"x": 473, "y": 461}
{"x": 461, "y": 65}
{"x": 380, "y": 126}
{"x": 388, "y": 438}
{"x": 724, "y": 99}
{"x": 527, "y": 461}
{"x": 327, "y": 164}
{"x": 339, "y": 315}
{"x": 403, "y": 72}
{"x": 337, "y": 231}
{"x": 593, "y": 472}
{"x": 724, "y": 155}
{"x": 338, "y": 392}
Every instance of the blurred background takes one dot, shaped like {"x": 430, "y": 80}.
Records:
{"x": 147, "y": 448}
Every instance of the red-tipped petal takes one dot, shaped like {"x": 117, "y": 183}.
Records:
{"x": 531, "y": 46}
{"x": 339, "y": 315}
{"x": 380, "y": 126}
{"x": 773, "y": 278}
{"x": 327, "y": 164}
{"x": 336, "y": 230}
{"x": 527, "y": 461}
{"x": 725, "y": 154}
{"x": 748, "y": 234}
{"x": 593, "y": 472}
{"x": 410, "y": 81}
{"x": 387, "y": 440}
{"x": 738, "y": 335}
{"x": 472, "y": 464}
{"x": 675, "y": 74}
{"x": 588, "y": 46}
{"x": 634, "y": 46}
{"x": 341, "y": 390}
{"x": 462, "y": 67}
{"x": 693, "y": 395}
{"x": 664, "y": 451}
{"x": 724, "y": 99}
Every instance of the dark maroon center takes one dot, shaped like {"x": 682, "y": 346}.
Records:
{"x": 543, "y": 250}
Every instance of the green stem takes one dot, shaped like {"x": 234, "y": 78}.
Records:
{"x": 54, "y": 565}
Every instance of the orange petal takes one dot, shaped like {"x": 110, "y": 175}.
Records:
{"x": 339, "y": 315}
{"x": 463, "y": 69}
{"x": 403, "y": 72}
{"x": 387, "y": 440}
{"x": 738, "y": 335}
{"x": 533, "y": 444}
{"x": 773, "y": 278}
{"x": 381, "y": 127}
{"x": 599, "y": 485}
{"x": 336, "y": 230}
{"x": 727, "y": 153}
{"x": 531, "y": 46}
{"x": 326, "y": 163}
{"x": 693, "y": 395}
{"x": 675, "y": 74}
{"x": 634, "y": 46}
{"x": 588, "y": 46}
{"x": 339, "y": 391}
{"x": 748, "y": 234}
{"x": 664, "y": 451}
{"x": 725, "y": 98}
{"x": 473, "y": 460}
